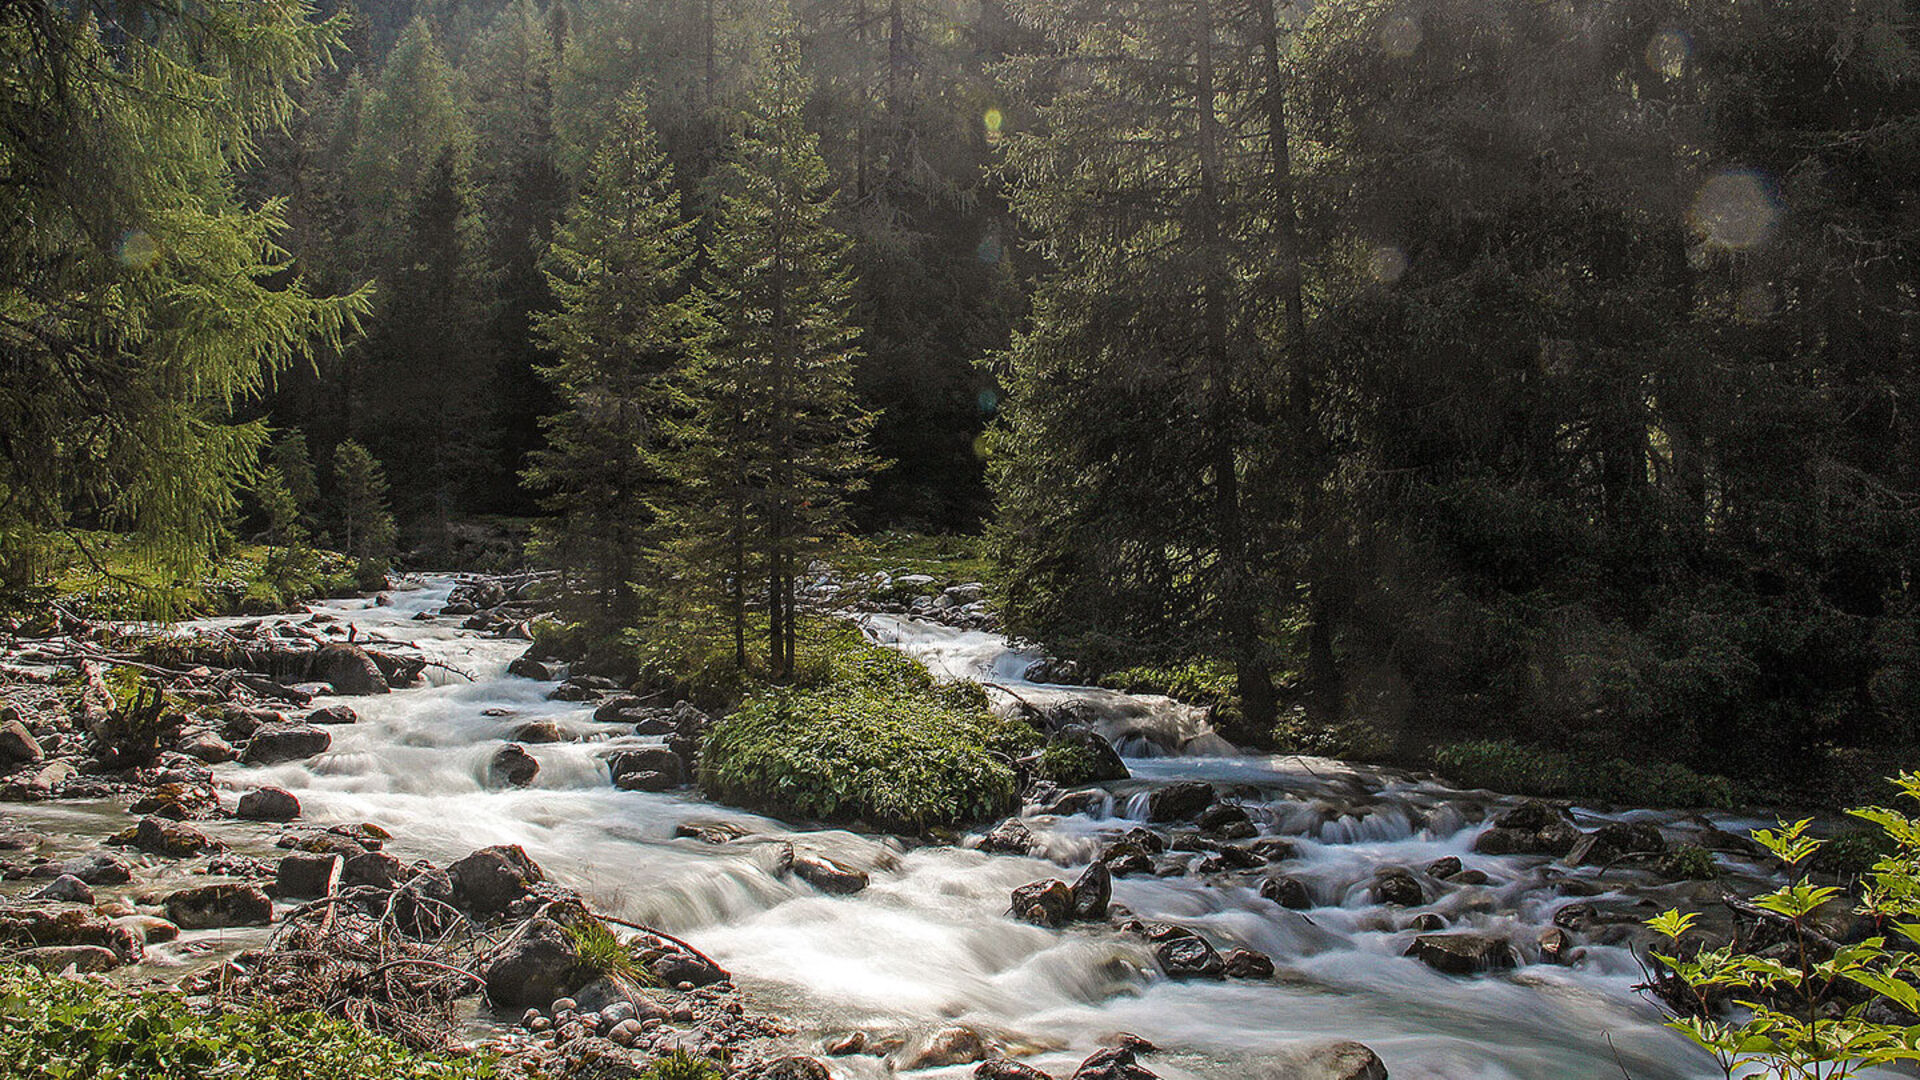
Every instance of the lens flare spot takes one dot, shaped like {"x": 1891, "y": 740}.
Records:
{"x": 995, "y": 121}
{"x": 1387, "y": 264}
{"x": 980, "y": 447}
{"x": 1737, "y": 209}
{"x": 989, "y": 402}
{"x": 1668, "y": 53}
{"x": 139, "y": 250}
{"x": 990, "y": 251}
{"x": 1401, "y": 36}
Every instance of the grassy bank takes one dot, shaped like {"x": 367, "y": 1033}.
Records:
{"x": 108, "y": 576}
{"x": 867, "y": 737}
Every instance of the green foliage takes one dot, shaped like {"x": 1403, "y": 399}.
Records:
{"x": 114, "y": 577}
{"x": 143, "y": 304}
{"x": 60, "y": 1029}
{"x": 1196, "y": 682}
{"x": 1689, "y": 862}
{"x": 600, "y": 950}
{"x": 1069, "y": 765}
{"x": 1350, "y": 739}
{"x": 680, "y": 1065}
{"x": 868, "y": 737}
{"x": 360, "y": 491}
{"x": 623, "y": 334}
{"x": 1808, "y": 1010}
{"x": 1519, "y": 769}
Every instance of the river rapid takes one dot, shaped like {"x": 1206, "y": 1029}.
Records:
{"x": 930, "y": 941}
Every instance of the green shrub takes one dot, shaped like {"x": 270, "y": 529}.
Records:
{"x": 869, "y": 738}
{"x": 1196, "y": 682}
{"x": 57, "y": 1029}
{"x": 681, "y": 1065}
{"x": 1689, "y": 862}
{"x": 1519, "y": 769}
{"x": 1350, "y": 740}
{"x": 1069, "y": 764}
{"x": 601, "y": 951}
{"x": 1813, "y": 1011}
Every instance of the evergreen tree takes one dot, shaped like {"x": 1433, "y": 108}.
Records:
{"x": 360, "y": 496}
{"x": 622, "y": 335}
{"x": 779, "y": 443}
{"x": 141, "y": 302}
{"x": 292, "y": 460}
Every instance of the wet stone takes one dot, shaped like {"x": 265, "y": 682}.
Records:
{"x": 1190, "y": 958}
{"x": 1044, "y": 903}
{"x": 1462, "y": 953}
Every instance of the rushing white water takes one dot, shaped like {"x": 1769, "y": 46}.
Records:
{"x": 930, "y": 941}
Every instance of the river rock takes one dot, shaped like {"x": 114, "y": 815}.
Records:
{"x": 490, "y": 879}
{"x": 423, "y": 905}
{"x": 181, "y": 801}
{"x": 66, "y": 889}
{"x": 148, "y": 929}
{"x": 27, "y": 927}
{"x": 512, "y": 766}
{"x": 711, "y": 832}
{"x": 1462, "y": 953}
{"x": 1190, "y": 958}
{"x": 350, "y": 670}
{"x": 215, "y": 907}
{"x": 1532, "y": 828}
{"x": 1092, "y": 892}
{"x": 375, "y": 868}
{"x": 1179, "y": 802}
{"x": 1005, "y": 1068}
{"x": 828, "y": 875}
{"x": 533, "y": 966}
{"x": 1114, "y": 1063}
{"x": 208, "y": 747}
{"x": 1444, "y": 868}
{"x": 791, "y": 1067}
{"x": 956, "y": 1044}
{"x": 1010, "y": 837}
{"x": 525, "y": 666}
{"x": 573, "y": 692}
{"x": 173, "y": 839}
{"x": 86, "y": 959}
{"x": 1044, "y": 903}
{"x": 1337, "y": 1061}
{"x": 1247, "y": 964}
{"x": 1289, "y": 892}
{"x": 333, "y": 715}
{"x": 304, "y": 877}
{"x": 277, "y": 743}
{"x": 679, "y": 966}
{"x": 1098, "y": 761}
{"x": 98, "y": 869}
{"x": 1615, "y": 841}
{"x": 626, "y": 709}
{"x": 1124, "y": 857}
{"x": 1397, "y": 886}
{"x": 17, "y": 744}
{"x": 539, "y": 732}
{"x": 648, "y": 768}
{"x": 1224, "y": 817}
{"x": 269, "y": 804}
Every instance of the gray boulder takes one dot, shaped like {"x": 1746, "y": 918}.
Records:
{"x": 273, "y": 744}
{"x": 269, "y": 804}
{"x": 491, "y": 879}
{"x": 216, "y": 907}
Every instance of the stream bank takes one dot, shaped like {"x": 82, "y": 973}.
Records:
{"x": 927, "y": 965}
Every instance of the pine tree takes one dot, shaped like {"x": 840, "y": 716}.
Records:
{"x": 779, "y": 443}
{"x": 360, "y": 495}
{"x": 141, "y": 301}
{"x": 295, "y": 465}
{"x": 624, "y": 329}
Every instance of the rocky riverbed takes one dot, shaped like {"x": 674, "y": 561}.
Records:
{"x": 442, "y": 833}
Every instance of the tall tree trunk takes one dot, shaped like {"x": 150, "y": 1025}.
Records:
{"x": 1238, "y": 599}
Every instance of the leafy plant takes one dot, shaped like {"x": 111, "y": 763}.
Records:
{"x": 1812, "y": 1008}
{"x": 680, "y": 1065}
{"x": 600, "y": 950}
{"x": 59, "y": 1029}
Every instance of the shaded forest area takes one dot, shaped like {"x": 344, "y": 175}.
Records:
{"x": 1387, "y": 373}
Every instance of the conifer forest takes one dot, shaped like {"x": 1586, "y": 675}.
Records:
{"x": 1024, "y": 539}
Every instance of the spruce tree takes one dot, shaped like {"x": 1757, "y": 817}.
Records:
{"x": 360, "y": 495}
{"x": 779, "y": 443}
{"x": 624, "y": 328}
{"x": 141, "y": 300}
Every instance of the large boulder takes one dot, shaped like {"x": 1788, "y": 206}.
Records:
{"x": 375, "y": 868}
{"x": 333, "y": 715}
{"x": 350, "y": 670}
{"x": 956, "y": 1044}
{"x": 26, "y": 927}
{"x": 269, "y": 804}
{"x": 647, "y": 768}
{"x": 1397, "y": 886}
{"x": 301, "y": 876}
{"x": 512, "y": 766}
{"x": 1010, "y": 837}
{"x": 1078, "y": 755}
{"x": 208, "y": 747}
{"x": 1343, "y": 1060}
{"x": 173, "y": 839}
{"x": 215, "y": 907}
{"x": 65, "y": 889}
{"x": 539, "y": 732}
{"x": 491, "y": 879}
{"x": 1287, "y": 891}
{"x": 1180, "y": 802}
{"x": 1462, "y": 953}
{"x": 1116, "y": 1063}
{"x": 1190, "y": 958}
{"x": 1044, "y": 903}
{"x": 828, "y": 875}
{"x": 1005, "y": 1068}
{"x": 98, "y": 868}
{"x": 526, "y": 667}
{"x": 273, "y": 744}
{"x": 1092, "y": 893}
{"x": 1532, "y": 828}
{"x": 85, "y": 959}
{"x": 534, "y": 965}
{"x": 17, "y": 744}
{"x": 1613, "y": 842}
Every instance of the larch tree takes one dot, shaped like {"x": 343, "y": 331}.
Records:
{"x": 141, "y": 301}
{"x": 622, "y": 335}
{"x": 779, "y": 443}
